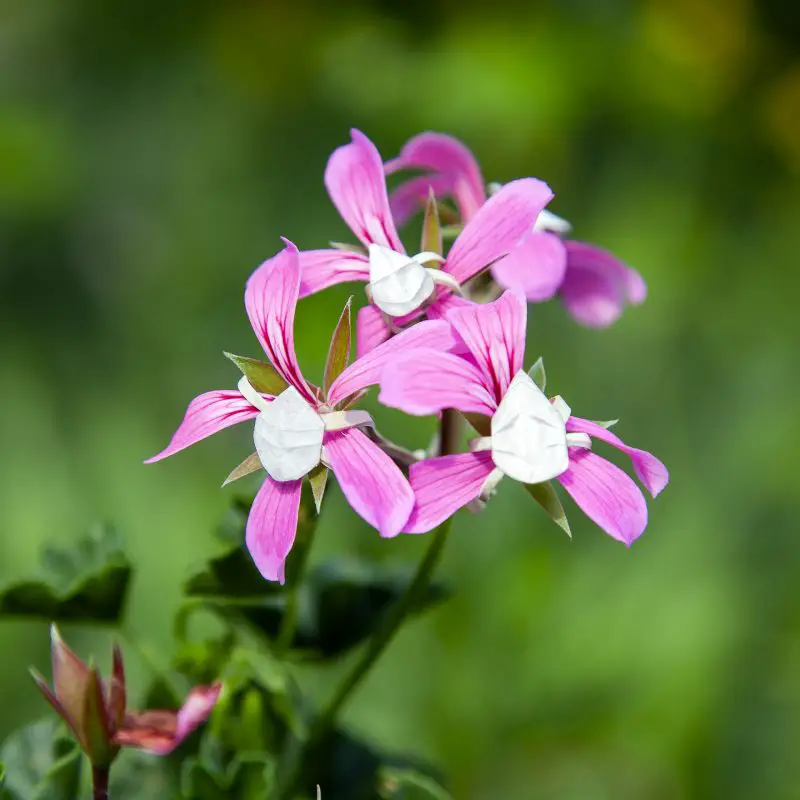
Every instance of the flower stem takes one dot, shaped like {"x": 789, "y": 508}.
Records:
{"x": 390, "y": 624}
{"x": 100, "y": 783}
{"x": 301, "y": 550}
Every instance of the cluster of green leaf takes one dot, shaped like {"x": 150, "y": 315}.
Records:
{"x": 262, "y": 720}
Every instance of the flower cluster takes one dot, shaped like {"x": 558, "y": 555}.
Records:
{"x": 443, "y": 330}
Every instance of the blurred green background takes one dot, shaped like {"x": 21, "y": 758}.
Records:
{"x": 152, "y": 153}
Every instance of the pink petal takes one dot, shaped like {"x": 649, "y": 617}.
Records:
{"x": 426, "y": 381}
{"x": 497, "y": 227}
{"x": 356, "y": 183}
{"x": 196, "y": 709}
{"x": 322, "y": 268}
{"x": 160, "y": 732}
{"x": 368, "y": 370}
{"x": 271, "y": 299}
{"x": 372, "y": 483}
{"x": 443, "y": 485}
{"x": 536, "y": 267}
{"x": 650, "y": 471}
{"x": 494, "y": 333}
{"x": 272, "y": 526}
{"x": 371, "y": 330}
{"x": 606, "y": 495}
{"x": 598, "y": 286}
{"x": 412, "y": 195}
{"x": 207, "y": 414}
{"x": 450, "y": 160}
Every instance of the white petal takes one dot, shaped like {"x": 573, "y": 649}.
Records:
{"x": 547, "y": 221}
{"x": 529, "y": 438}
{"x": 288, "y": 436}
{"x": 399, "y": 284}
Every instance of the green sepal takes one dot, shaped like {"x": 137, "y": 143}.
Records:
{"x": 431, "y": 229}
{"x": 346, "y": 247}
{"x": 607, "y": 424}
{"x": 407, "y": 784}
{"x": 481, "y": 423}
{"x": 537, "y": 374}
{"x": 263, "y": 376}
{"x": 87, "y": 583}
{"x": 545, "y": 495}
{"x": 250, "y": 465}
{"x": 318, "y": 480}
{"x": 451, "y": 231}
{"x": 94, "y": 724}
{"x": 339, "y": 350}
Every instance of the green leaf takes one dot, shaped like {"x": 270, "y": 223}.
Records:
{"x": 137, "y": 775}
{"x": 249, "y": 775}
{"x": 318, "y": 480}
{"x": 537, "y": 374}
{"x": 41, "y": 763}
{"x": 347, "y": 768}
{"x": 431, "y": 228}
{"x": 232, "y": 573}
{"x": 87, "y": 583}
{"x": 263, "y": 376}
{"x": 406, "y": 784}
{"x": 545, "y": 495}
{"x": 340, "y": 605}
{"x": 261, "y": 710}
{"x": 2, "y": 775}
{"x": 339, "y": 350}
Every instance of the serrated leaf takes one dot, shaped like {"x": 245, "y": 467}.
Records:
{"x": 260, "y": 710}
{"x": 406, "y": 784}
{"x": 198, "y": 784}
{"x": 545, "y": 495}
{"x": 41, "y": 763}
{"x": 318, "y": 480}
{"x": 250, "y": 465}
{"x": 339, "y": 350}
{"x": 537, "y": 374}
{"x": 431, "y": 228}
{"x": 263, "y": 376}
{"x": 86, "y": 583}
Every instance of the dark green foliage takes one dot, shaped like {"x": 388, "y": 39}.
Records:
{"x": 42, "y": 763}
{"x": 86, "y": 583}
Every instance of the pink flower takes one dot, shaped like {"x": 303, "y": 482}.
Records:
{"x": 593, "y": 284}
{"x": 528, "y": 437}
{"x": 303, "y": 425}
{"x": 401, "y": 285}
{"x": 96, "y": 711}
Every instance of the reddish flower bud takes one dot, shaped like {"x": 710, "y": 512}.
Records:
{"x": 96, "y": 713}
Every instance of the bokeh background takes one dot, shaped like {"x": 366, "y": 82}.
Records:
{"x": 152, "y": 153}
